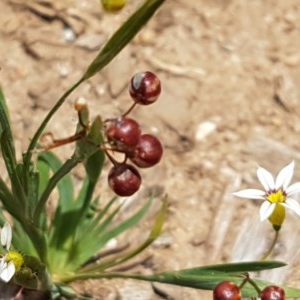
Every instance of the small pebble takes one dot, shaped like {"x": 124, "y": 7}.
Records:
{"x": 204, "y": 129}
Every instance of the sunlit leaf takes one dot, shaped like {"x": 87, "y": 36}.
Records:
{"x": 155, "y": 232}
{"x": 207, "y": 277}
{"x": 5, "y": 123}
{"x": 123, "y": 36}
{"x": 65, "y": 185}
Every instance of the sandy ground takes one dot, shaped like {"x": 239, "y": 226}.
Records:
{"x": 230, "y": 72}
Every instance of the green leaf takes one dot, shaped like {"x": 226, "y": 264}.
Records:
{"x": 21, "y": 240}
{"x": 125, "y": 225}
{"x": 90, "y": 143}
{"x": 123, "y": 36}
{"x": 60, "y": 290}
{"x": 65, "y": 184}
{"x": 6, "y": 197}
{"x": 205, "y": 281}
{"x": 19, "y": 203}
{"x": 5, "y": 123}
{"x": 252, "y": 266}
{"x": 155, "y": 232}
{"x": 94, "y": 165}
{"x": 206, "y": 277}
{"x": 44, "y": 174}
{"x": 33, "y": 191}
{"x": 54, "y": 181}
{"x": 93, "y": 235}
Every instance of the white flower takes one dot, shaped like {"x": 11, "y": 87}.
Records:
{"x": 277, "y": 192}
{"x": 12, "y": 260}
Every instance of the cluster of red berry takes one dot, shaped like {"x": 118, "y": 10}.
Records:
{"x": 124, "y": 135}
{"x": 228, "y": 290}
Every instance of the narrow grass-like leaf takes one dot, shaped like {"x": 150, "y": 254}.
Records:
{"x": 251, "y": 266}
{"x": 90, "y": 242}
{"x": 94, "y": 165}
{"x": 123, "y": 36}
{"x": 21, "y": 240}
{"x": 7, "y": 199}
{"x": 33, "y": 190}
{"x": 122, "y": 227}
{"x": 63, "y": 171}
{"x": 44, "y": 175}
{"x": 202, "y": 281}
{"x": 90, "y": 224}
{"x": 19, "y": 199}
{"x": 155, "y": 232}
{"x": 89, "y": 143}
{"x": 208, "y": 282}
{"x": 5, "y": 123}
{"x": 65, "y": 184}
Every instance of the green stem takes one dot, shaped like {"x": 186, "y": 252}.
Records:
{"x": 251, "y": 281}
{"x": 32, "y": 145}
{"x": 267, "y": 254}
{"x": 84, "y": 276}
{"x": 58, "y": 175}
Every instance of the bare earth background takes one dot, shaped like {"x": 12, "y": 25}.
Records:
{"x": 231, "y": 74}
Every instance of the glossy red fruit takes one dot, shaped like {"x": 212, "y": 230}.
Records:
{"x": 144, "y": 88}
{"x": 124, "y": 179}
{"x": 148, "y": 151}
{"x": 227, "y": 290}
{"x": 273, "y": 292}
{"x": 123, "y": 132}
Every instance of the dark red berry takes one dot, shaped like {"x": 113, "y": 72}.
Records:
{"x": 273, "y": 292}
{"x": 148, "y": 151}
{"x": 124, "y": 179}
{"x": 123, "y": 132}
{"x": 144, "y": 88}
{"x": 227, "y": 290}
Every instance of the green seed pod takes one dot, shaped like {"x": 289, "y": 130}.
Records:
{"x": 113, "y": 5}
{"x": 277, "y": 217}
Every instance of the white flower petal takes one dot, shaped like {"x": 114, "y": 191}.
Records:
{"x": 8, "y": 272}
{"x": 285, "y": 175}
{"x": 6, "y": 235}
{"x": 266, "y": 179}
{"x": 2, "y": 263}
{"x": 293, "y": 189}
{"x": 293, "y": 205}
{"x": 266, "y": 210}
{"x": 251, "y": 194}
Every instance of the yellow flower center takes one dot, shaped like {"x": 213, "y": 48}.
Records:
{"x": 17, "y": 259}
{"x": 277, "y": 196}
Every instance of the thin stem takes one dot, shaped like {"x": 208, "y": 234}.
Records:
{"x": 110, "y": 157}
{"x": 129, "y": 110}
{"x": 110, "y": 275}
{"x": 32, "y": 145}
{"x": 251, "y": 281}
{"x": 60, "y": 142}
{"x": 266, "y": 255}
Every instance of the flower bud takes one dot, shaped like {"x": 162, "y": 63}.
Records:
{"x": 80, "y": 104}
